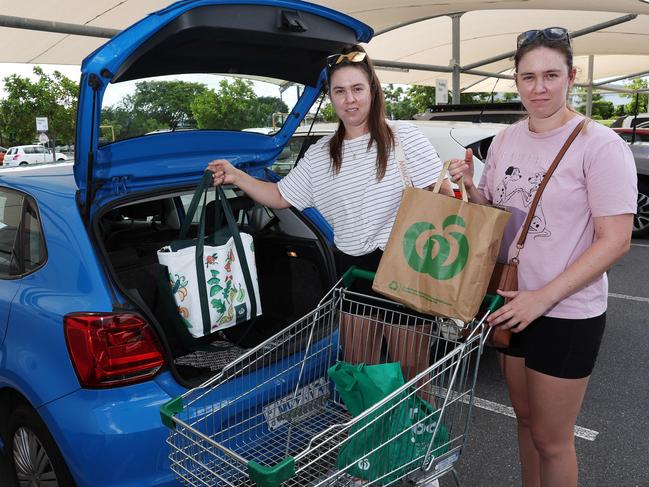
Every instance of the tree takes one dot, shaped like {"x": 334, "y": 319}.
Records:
{"x": 397, "y": 105}
{"x": 265, "y": 106}
{"x": 636, "y": 84}
{"x": 234, "y": 106}
{"x": 601, "y": 109}
{"x": 328, "y": 112}
{"x": 52, "y": 96}
{"x": 168, "y": 102}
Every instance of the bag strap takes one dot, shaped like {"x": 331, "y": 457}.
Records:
{"x": 222, "y": 202}
{"x": 546, "y": 178}
{"x": 400, "y": 157}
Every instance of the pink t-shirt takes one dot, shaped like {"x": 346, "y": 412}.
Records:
{"x": 596, "y": 177}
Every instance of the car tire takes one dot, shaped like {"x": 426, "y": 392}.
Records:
{"x": 60, "y": 160}
{"x": 641, "y": 219}
{"x": 23, "y": 163}
{"x": 34, "y": 456}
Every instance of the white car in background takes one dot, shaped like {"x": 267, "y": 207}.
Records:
{"x": 22, "y": 155}
{"x": 450, "y": 139}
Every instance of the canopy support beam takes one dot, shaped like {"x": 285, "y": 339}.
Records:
{"x": 455, "y": 61}
{"x": 577, "y": 33}
{"x": 57, "y": 27}
{"x": 589, "y": 97}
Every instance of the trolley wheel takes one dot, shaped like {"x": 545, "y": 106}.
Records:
{"x": 36, "y": 460}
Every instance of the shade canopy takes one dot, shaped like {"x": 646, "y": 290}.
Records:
{"x": 407, "y": 34}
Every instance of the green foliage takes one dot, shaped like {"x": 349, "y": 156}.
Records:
{"x": 636, "y": 84}
{"x": 234, "y": 106}
{"x": 154, "y": 105}
{"x": 398, "y": 106}
{"x": 601, "y": 109}
{"x": 328, "y": 113}
{"x": 52, "y": 96}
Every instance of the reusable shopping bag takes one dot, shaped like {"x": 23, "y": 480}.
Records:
{"x": 382, "y": 446}
{"x": 213, "y": 278}
{"x": 441, "y": 252}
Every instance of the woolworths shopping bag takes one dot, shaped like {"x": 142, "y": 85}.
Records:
{"x": 441, "y": 253}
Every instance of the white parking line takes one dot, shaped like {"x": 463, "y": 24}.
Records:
{"x": 494, "y": 407}
{"x": 583, "y": 433}
{"x": 639, "y": 245}
{"x": 630, "y": 298}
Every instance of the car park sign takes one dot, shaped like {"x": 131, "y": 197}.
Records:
{"x": 41, "y": 124}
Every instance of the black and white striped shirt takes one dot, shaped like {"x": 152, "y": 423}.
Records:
{"x": 360, "y": 209}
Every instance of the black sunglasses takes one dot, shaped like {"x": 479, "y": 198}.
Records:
{"x": 549, "y": 33}
{"x": 352, "y": 57}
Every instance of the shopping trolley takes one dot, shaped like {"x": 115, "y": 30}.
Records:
{"x": 273, "y": 417}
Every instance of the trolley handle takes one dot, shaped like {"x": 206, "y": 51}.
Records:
{"x": 354, "y": 273}
{"x": 493, "y": 302}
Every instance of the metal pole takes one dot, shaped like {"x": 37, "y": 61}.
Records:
{"x": 589, "y": 99}
{"x": 455, "y": 61}
{"x": 577, "y": 33}
{"x": 58, "y": 27}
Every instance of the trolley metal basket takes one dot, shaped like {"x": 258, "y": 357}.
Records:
{"x": 273, "y": 417}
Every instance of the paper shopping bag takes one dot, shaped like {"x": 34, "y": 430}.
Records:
{"x": 213, "y": 278}
{"x": 441, "y": 253}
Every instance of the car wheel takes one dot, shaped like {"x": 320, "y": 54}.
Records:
{"x": 23, "y": 163}
{"x": 641, "y": 219}
{"x": 36, "y": 459}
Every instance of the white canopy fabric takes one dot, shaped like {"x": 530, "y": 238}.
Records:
{"x": 406, "y": 32}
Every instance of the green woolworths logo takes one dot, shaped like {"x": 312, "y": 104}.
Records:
{"x": 435, "y": 266}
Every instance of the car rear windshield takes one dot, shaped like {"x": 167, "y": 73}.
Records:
{"x": 194, "y": 102}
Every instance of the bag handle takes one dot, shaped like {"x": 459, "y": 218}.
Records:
{"x": 400, "y": 157}
{"x": 546, "y": 178}
{"x": 222, "y": 203}
{"x": 460, "y": 183}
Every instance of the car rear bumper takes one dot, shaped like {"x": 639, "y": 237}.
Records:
{"x": 113, "y": 437}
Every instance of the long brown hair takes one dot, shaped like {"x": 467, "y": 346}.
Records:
{"x": 380, "y": 132}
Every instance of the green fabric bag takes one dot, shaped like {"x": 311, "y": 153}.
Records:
{"x": 360, "y": 387}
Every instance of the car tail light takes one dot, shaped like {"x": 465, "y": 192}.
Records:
{"x": 112, "y": 349}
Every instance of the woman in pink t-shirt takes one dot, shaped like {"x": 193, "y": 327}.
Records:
{"x": 582, "y": 225}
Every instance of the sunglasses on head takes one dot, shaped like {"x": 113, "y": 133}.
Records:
{"x": 352, "y": 57}
{"x": 549, "y": 33}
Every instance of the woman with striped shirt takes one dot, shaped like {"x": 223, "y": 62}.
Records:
{"x": 352, "y": 179}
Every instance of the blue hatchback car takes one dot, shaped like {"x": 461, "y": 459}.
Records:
{"x": 87, "y": 351}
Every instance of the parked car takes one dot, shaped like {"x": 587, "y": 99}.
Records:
{"x": 628, "y": 121}
{"x": 22, "y": 155}
{"x": 640, "y": 150}
{"x": 88, "y": 356}
{"x": 450, "y": 139}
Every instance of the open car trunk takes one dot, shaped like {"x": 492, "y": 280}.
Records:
{"x": 293, "y": 265}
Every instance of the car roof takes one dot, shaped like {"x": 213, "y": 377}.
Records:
{"x": 55, "y": 177}
{"x": 465, "y": 133}
{"x": 26, "y": 145}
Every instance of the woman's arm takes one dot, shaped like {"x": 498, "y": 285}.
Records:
{"x": 612, "y": 241}
{"x": 262, "y": 192}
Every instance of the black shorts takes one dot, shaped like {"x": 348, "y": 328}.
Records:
{"x": 559, "y": 347}
{"x": 367, "y": 262}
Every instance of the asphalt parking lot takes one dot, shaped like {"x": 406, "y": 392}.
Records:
{"x": 613, "y": 435}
